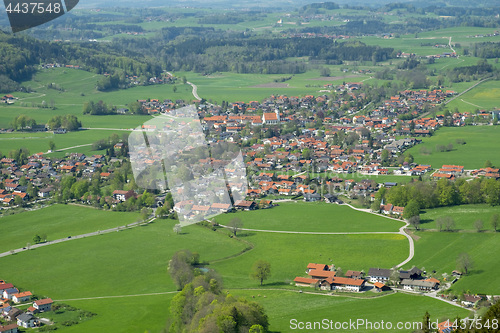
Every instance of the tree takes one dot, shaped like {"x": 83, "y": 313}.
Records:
{"x": 180, "y": 268}
{"x": 478, "y": 224}
{"x": 488, "y": 164}
{"x": 235, "y": 224}
{"x": 339, "y": 272}
{"x": 412, "y": 209}
{"x": 445, "y": 223}
{"x": 177, "y": 228}
{"x": 261, "y": 270}
{"x": 145, "y": 213}
{"x": 464, "y": 263}
{"x": 494, "y": 222}
{"x": 52, "y": 145}
{"x": 37, "y": 239}
{"x": 415, "y": 222}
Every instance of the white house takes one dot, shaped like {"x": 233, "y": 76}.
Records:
{"x": 26, "y": 320}
{"x": 379, "y": 275}
{"x": 22, "y": 297}
{"x": 43, "y": 305}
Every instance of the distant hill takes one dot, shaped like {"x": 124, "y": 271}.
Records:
{"x": 277, "y": 3}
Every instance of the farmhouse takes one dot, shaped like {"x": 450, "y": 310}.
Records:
{"x": 422, "y": 285}
{"x": 344, "y": 284}
{"x": 22, "y": 297}
{"x": 379, "y": 275}
{"x": 43, "y": 305}
{"x": 123, "y": 195}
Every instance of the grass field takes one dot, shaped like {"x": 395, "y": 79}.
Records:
{"x": 311, "y": 217}
{"x": 282, "y": 307}
{"x": 439, "y": 251}
{"x": 480, "y": 146}
{"x": 289, "y": 255}
{"x": 464, "y": 216}
{"x": 128, "y": 262}
{"x": 39, "y": 142}
{"x": 486, "y": 96}
{"x": 58, "y": 221}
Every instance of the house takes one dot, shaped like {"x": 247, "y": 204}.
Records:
{"x": 413, "y": 274}
{"x": 26, "y": 320}
{"x": 12, "y": 328}
{"x": 471, "y": 300}
{"x": 319, "y": 267}
{"x": 379, "y": 275}
{"x": 43, "y": 305}
{"x": 420, "y": 285}
{"x": 13, "y": 314}
{"x": 123, "y": 195}
{"x": 342, "y": 284}
{"x": 445, "y": 327}
{"x": 354, "y": 274}
{"x": 5, "y": 286}
{"x": 22, "y": 297}
{"x": 8, "y": 293}
{"x": 246, "y": 205}
{"x": 312, "y": 197}
{"x": 45, "y": 192}
{"x": 320, "y": 274}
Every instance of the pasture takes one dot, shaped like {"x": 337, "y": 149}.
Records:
{"x": 486, "y": 96}
{"x": 439, "y": 251}
{"x": 283, "y": 306}
{"x": 58, "y": 221}
{"x": 311, "y": 217}
{"x": 480, "y": 146}
{"x": 464, "y": 216}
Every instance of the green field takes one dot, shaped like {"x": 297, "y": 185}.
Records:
{"x": 129, "y": 262}
{"x": 464, "y": 216}
{"x": 58, "y": 221}
{"x": 39, "y": 142}
{"x": 282, "y": 307}
{"x": 486, "y": 96}
{"x": 439, "y": 251}
{"x": 311, "y": 217}
{"x": 481, "y": 145}
{"x": 289, "y": 255}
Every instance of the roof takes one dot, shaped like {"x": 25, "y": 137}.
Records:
{"x": 379, "y": 285}
{"x": 44, "y": 301}
{"x": 4, "y": 286}
{"x": 320, "y": 267}
{"x": 379, "y": 272}
{"x": 25, "y": 317}
{"x": 23, "y": 294}
{"x": 8, "y": 327}
{"x": 305, "y": 280}
{"x": 348, "y": 281}
{"x": 418, "y": 283}
{"x": 320, "y": 273}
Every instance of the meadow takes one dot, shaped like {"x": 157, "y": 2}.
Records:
{"x": 486, "y": 96}
{"x": 392, "y": 308}
{"x": 480, "y": 146}
{"x": 311, "y": 217}
{"x": 40, "y": 142}
{"x": 56, "y": 222}
{"x": 464, "y": 216}
{"x": 439, "y": 251}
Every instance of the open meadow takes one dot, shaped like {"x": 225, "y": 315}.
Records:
{"x": 439, "y": 251}
{"x": 481, "y": 145}
{"x": 464, "y": 216}
{"x": 56, "y": 222}
{"x": 311, "y": 217}
{"x": 392, "y": 308}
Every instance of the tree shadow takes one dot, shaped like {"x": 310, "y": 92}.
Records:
{"x": 275, "y": 284}
{"x": 243, "y": 234}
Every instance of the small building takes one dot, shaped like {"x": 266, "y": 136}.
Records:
{"x": 13, "y": 314}
{"x": 22, "y": 297}
{"x": 305, "y": 282}
{"x": 123, "y": 195}
{"x": 26, "y": 320}
{"x": 43, "y": 305}
{"x": 420, "y": 285}
{"x": 245, "y": 205}
{"x": 471, "y": 300}
{"x": 379, "y": 275}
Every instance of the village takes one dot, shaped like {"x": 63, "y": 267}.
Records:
{"x": 12, "y": 317}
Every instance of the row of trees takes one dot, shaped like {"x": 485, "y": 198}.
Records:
{"x": 99, "y": 108}
{"x": 443, "y": 193}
